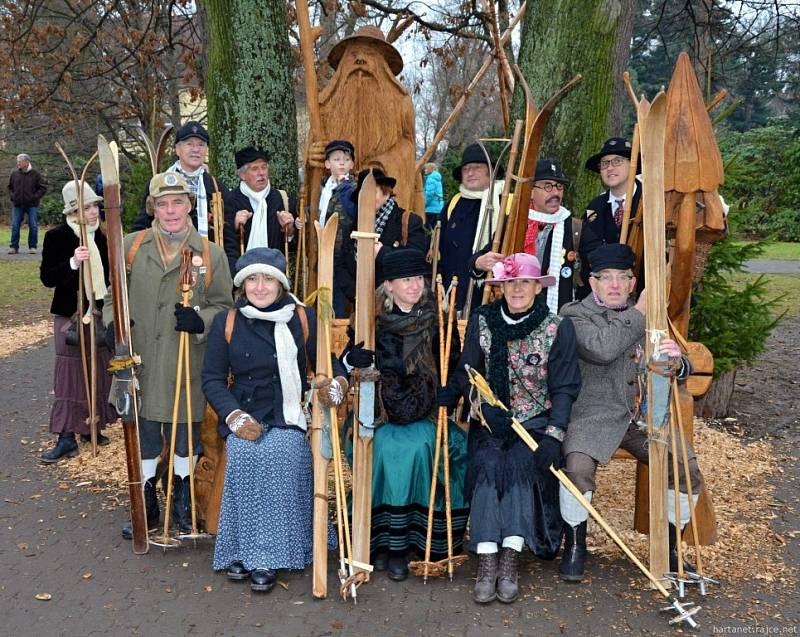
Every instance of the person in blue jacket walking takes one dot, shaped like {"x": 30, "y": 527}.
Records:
{"x": 434, "y": 195}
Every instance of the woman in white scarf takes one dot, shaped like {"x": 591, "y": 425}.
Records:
{"x": 64, "y": 259}
{"x": 265, "y": 521}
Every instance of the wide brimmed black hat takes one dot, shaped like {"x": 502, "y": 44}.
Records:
{"x": 611, "y": 256}
{"x": 613, "y": 146}
{"x": 400, "y": 263}
{"x": 550, "y": 169}
{"x": 381, "y": 179}
{"x": 473, "y": 154}
{"x": 250, "y": 153}
{"x": 191, "y": 129}
{"x": 340, "y": 144}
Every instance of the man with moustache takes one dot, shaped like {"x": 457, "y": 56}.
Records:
{"x": 256, "y": 214}
{"x": 558, "y": 240}
{"x": 157, "y": 318}
{"x": 191, "y": 147}
{"x": 604, "y": 213}
{"x": 464, "y": 226}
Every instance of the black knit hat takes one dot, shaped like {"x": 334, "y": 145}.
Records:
{"x": 191, "y": 129}
{"x": 612, "y": 256}
{"x": 381, "y": 179}
{"x": 248, "y": 154}
{"x": 550, "y": 169}
{"x": 400, "y": 263}
{"x": 340, "y": 144}
{"x": 613, "y": 146}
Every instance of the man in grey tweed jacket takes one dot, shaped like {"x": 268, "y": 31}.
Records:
{"x": 610, "y": 334}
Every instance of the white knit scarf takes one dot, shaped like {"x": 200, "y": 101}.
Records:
{"x": 483, "y": 229}
{"x": 286, "y": 349}
{"x": 198, "y": 186}
{"x": 259, "y": 233}
{"x": 556, "y": 247}
{"x": 95, "y": 262}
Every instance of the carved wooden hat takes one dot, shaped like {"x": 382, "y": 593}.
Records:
{"x": 368, "y": 34}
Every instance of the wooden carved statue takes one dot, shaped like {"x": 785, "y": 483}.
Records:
{"x": 365, "y": 104}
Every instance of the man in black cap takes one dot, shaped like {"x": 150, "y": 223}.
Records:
{"x": 604, "y": 213}
{"x": 334, "y": 196}
{"x": 610, "y": 330}
{"x": 256, "y": 214}
{"x": 465, "y": 228}
{"x": 550, "y": 224}
{"x": 191, "y": 147}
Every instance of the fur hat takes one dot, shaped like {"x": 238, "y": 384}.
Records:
{"x": 249, "y": 154}
{"x": 401, "y": 263}
{"x": 70, "y": 194}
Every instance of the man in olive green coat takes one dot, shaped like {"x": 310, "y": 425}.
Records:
{"x": 157, "y": 319}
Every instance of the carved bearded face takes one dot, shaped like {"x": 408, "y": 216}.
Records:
{"x": 364, "y": 99}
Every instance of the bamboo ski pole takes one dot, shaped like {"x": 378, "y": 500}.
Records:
{"x": 485, "y": 391}
{"x": 628, "y": 208}
{"x": 677, "y": 503}
{"x": 434, "y": 249}
{"x": 445, "y": 426}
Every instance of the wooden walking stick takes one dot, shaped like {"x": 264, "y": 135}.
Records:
{"x": 86, "y": 316}
{"x": 684, "y": 612}
{"x": 300, "y": 255}
{"x": 434, "y": 249}
{"x": 241, "y": 239}
{"x": 185, "y": 282}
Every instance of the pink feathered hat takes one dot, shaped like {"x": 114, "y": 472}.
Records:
{"x": 520, "y": 266}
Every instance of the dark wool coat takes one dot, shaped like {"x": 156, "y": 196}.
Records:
{"x": 344, "y": 266}
{"x": 26, "y": 188}
{"x": 252, "y": 359}
{"x": 570, "y": 286}
{"x": 235, "y": 201}
{"x": 55, "y": 271}
{"x": 145, "y": 220}
{"x": 600, "y": 217}
{"x": 455, "y": 245}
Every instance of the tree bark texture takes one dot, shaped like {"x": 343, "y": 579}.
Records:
{"x": 716, "y": 403}
{"x": 249, "y": 87}
{"x": 561, "y": 38}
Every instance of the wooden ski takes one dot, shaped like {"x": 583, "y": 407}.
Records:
{"x": 321, "y": 448}
{"x": 125, "y": 389}
{"x": 364, "y": 411}
{"x": 514, "y": 239}
{"x": 652, "y": 123}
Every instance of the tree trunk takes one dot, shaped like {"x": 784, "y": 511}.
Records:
{"x": 249, "y": 87}
{"x": 716, "y": 403}
{"x": 559, "y": 39}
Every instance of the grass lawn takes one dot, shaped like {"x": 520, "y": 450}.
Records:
{"x": 786, "y": 285}
{"x": 23, "y": 298}
{"x": 780, "y": 251}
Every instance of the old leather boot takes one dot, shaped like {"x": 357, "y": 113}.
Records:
{"x": 486, "y": 580}
{"x": 150, "y": 507}
{"x": 263, "y": 579}
{"x": 102, "y": 440}
{"x": 65, "y": 447}
{"x": 237, "y": 571}
{"x": 574, "y": 556}
{"x": 397, "y": 567}
{"x": 673, "y": 553}
{"x": 507, "y": 576}
{"x": 181, "y": 504}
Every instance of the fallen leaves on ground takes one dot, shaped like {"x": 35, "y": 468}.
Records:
{"x": 18, "y": 337}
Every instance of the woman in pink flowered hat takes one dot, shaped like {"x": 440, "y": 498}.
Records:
{"x": 528, "y": 355}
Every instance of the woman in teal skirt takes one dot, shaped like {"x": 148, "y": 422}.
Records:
{"x": 406, "y": 355}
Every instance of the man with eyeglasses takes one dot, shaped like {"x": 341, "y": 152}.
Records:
{"x": 610, "y": 332}
{"x": 549, "y": 224}
{"x": 604, "y": 213}
{"x": 191, "y": 147}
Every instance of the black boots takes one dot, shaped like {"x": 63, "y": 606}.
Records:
{"x": 485, "y": 589}
{"x": 262, "y": 580}
{"x": 574, "y": 556}
{"x": 507, "y": 576}
{"x": 397, "y": 567}
{"x": 673, "y": 552}
{"x": 151, "y": 509}
{"x": 182, "y": 504}
{"x": 65, "y": 447}
{"x": 102, "y": 440}
{"x": 237, "y": 571}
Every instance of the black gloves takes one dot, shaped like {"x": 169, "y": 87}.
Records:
{"x": 548, "y": 453}
{"x": 188, "y": 320}
{"x": 499, "y": 421}
{"x": 446, "y": 397}
{"x": 360, "y": 357}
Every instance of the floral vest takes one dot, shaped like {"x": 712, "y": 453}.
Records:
{"x": 527, "y": 373}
